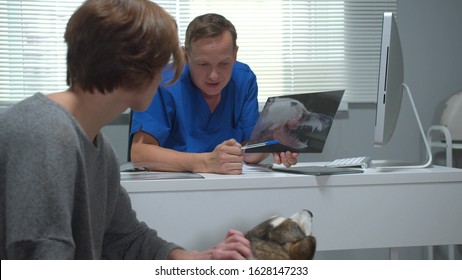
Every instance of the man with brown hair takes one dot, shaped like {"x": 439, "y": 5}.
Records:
{"x": 60, "y": 192}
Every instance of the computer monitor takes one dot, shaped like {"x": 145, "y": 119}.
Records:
{"x": 390, "y": 83}
{"x": 390, "y": 87}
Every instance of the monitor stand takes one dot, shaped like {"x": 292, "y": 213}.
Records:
{"x": 398, "y": 165}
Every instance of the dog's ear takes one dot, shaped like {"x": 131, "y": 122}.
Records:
{"x": 260, "y": 231}
{"x": 302, "y": 249}
{"x": 268, "y": 250}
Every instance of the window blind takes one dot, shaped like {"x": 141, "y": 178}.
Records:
{"x": 292, "y": 46}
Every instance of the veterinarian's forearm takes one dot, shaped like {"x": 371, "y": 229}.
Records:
{"x": 162, "y": 159}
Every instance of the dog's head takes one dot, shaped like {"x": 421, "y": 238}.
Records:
{"x": 280, "y": 238}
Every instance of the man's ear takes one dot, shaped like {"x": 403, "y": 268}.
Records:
{"x": 235, "y": 53}
{"x": 185, "y": 55}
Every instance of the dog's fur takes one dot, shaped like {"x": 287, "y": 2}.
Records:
{"x": 282, "y": 238}
{"x": 287, "y": 120}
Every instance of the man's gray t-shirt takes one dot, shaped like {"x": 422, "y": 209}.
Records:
{"x": 60, "y": 193}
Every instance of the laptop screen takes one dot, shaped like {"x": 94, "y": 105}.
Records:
{"x": 300, "y": 122}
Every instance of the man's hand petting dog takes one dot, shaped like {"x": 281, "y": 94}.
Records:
{"x": 234, "y": 247}
{"x": 277, "y": 238}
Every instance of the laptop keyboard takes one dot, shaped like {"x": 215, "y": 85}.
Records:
{"x": 358, "y": 162}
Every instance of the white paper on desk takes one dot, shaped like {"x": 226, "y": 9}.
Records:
{"x": 259, "y": 167}
{"x": 153, "y": 175}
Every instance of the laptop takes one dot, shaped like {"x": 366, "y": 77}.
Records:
{"x": 299, "y": 122}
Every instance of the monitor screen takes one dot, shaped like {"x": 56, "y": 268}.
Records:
{"x": 390, "y": 82}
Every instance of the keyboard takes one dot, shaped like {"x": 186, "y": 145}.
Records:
{"x": 353, "y": 162}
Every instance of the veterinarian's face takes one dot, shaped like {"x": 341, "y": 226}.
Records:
{"x": 211, "y": 63}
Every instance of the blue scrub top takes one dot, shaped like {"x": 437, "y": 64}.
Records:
{"x": 180, "y": 118}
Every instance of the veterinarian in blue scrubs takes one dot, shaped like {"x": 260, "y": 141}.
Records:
{"x": 200, "y": 122}
{"x": 181, "y": 119}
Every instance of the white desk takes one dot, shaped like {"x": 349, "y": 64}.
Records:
{"x": 376, "y": 209}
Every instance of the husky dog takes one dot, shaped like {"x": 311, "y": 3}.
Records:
{"x": 282, "y": 238}
{"x": 287, "y": 120}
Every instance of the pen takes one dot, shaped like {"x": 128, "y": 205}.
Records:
{"x": 256, "y": 145}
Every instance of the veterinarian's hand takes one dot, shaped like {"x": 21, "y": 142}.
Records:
{"x": 234, "y": 247}
{"x": 286, "y": 158}
{"x": 226, "y": 158}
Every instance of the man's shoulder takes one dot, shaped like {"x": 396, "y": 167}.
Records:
{"x": 36, "y": 117}
{"x": 168, "y": 73}
{"x": 241, "y": 66}
{"x": 242, "y": 69}
{"x": 167, "y": 76}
